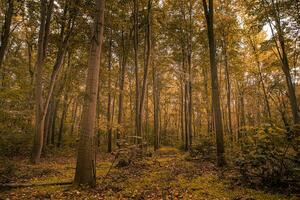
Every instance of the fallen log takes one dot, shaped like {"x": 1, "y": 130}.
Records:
{"x": 22, "y": 185}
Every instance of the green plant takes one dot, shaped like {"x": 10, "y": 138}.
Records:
{"x": 269, "y": 156}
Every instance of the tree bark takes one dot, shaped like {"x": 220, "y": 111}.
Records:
{"x": 39, "y": 109}
{"x": 146, "y": 67}
{"x": 282, "y": 52}
{"x": 208, "y": 9}
{"x": 109, "y": 113}
{"x": 136, "y": 70}
{"x": 121, "y": 88}
{"x": 86, "y": 157}
{"x": 6, "y": 30}
{"x": 228, "y": 87}
{"x": 156, "y": 107}
{"x": 62, "y": 120}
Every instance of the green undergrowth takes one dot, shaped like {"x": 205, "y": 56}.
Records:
{"x": 166, "y": 175}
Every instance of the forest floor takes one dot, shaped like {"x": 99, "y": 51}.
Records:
{"x": 165, "y": 175}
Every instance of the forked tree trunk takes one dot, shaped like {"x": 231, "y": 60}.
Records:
{"x": 208, "y": 9}
{"x": 39, "y": 109}
{"x": 86, "y": 157}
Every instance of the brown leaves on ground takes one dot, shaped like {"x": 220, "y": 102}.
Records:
{"x": 166, "y": 175}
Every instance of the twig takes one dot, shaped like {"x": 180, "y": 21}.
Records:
{"x": 112, "y": 164}
{"x": 22, "y": 185}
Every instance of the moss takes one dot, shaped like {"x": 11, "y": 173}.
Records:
{"x": 172, "y": 178}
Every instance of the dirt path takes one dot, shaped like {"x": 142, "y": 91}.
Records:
{"x": 166, "y": 175}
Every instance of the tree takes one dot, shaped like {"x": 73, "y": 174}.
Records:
{"x": 282, "y": 52}
{"x": 45, "y": 17}
{"x": 86, "y": 157}
{"x": 208, "y": 11}
{"x": 6, "y": 29}
{"x": 65, "y": 34}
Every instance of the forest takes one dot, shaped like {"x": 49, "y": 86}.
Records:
{"x": 150, "y": 99}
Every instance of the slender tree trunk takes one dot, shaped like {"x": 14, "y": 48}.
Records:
{"x": 62, "y": 120}
{"x": 53, "y": 125}
{"x": 136, "y": 70}
{"x": 30, "y": 70}
{"x": 109, "y": 113}
{"x": 207, "y": 102}
{"x": 6, "y": 30}
{"x": 258, "y": 63}
{"x": 146, "y": 67}
{"x": 39, "y": 113}
{"x": 74, "y": 116}
{"x": 182, "y": 112}
{"x": 282, "y": 52}
{"x": 121, "y": 87}
{"x": 49, "y": 124}
{"x": 228, "y": 88}
{"x": 208, "y": 9}
{"x": 190, "y": 51}
{"x": 86, "y": 157}
{"x": 155, "y": 107}
{"x": 186, "y": 115}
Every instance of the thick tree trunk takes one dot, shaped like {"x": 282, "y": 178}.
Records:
{"x": 214, "y": 83}
{"x": 86, "y": 157}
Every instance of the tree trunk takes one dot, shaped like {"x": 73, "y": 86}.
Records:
{"x": 258, "y": 63}
{"x": 39, "y": 113}
{"x": 136, "y": 70}
{"x": 74, "y": 116}
{"x": 109, "y": 113}
{"x": 282, "y": 52}
{"x": 121, "y": 88}
{"x": 53, "y": 125}
{"x": 6, "y": 30}
{"x": 155, "y": 107}
{"x": 62, "y": 120}
{"x": 86, "y": 157}
{"x": 190, "y": 79}
{"x": 146, "y": 67}
{"x": 182, "y": 112}
{"x": 228, "y": 88}
{"x": 208, "y": 9}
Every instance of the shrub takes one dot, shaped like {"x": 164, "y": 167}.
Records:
{"x": 204, "y": 149}
{"x": 269, "y": 156}
{"x": 14, "y": 144}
